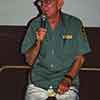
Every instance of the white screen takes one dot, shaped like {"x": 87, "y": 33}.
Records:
{"x": 18, "y": 12}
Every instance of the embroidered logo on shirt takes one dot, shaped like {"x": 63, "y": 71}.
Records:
{"x": 67, "y": 37}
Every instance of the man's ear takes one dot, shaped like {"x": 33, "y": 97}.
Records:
{"x": 60, "y": 3}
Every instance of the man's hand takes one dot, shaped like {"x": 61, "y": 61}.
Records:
{"x": 40, "y": 34}
{"x": 63, "y": 86}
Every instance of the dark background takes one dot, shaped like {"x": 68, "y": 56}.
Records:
{"x": 13, "y": 81}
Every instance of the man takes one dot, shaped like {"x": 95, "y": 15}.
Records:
{"x": 55, "y": 53}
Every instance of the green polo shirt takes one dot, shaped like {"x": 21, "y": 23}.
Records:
{"x": 58, "y": 50}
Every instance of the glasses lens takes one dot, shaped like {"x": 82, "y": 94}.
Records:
{"x": 47, "y": 1}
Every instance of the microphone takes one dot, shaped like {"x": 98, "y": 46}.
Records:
{"x": 43, "y": 17}
{"x": 43, "y": 21}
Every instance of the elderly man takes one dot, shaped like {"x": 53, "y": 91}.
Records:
{"x": 54, "y": 52}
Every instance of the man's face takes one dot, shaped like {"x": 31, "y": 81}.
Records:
{"x": 49, "y": 7}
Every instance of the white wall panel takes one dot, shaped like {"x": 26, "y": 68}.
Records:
{"x": 18, "y": 12}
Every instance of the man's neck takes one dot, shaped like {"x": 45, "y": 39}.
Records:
{"x": 53, "y": 21}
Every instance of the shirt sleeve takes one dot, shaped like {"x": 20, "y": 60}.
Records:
{"x": 29, "y": 39}
{"x": 83, "y": 41}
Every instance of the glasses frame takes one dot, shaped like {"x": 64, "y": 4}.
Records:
{"x": 45, "y": 2}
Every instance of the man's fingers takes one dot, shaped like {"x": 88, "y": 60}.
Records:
{"x": 42, "y": 30}
{"x": 40, "y": 33}
{"x": 62, "y": 89}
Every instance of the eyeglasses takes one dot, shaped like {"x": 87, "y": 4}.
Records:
{"x": 47, "y": 2}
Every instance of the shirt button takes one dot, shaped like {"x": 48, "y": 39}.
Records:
{"x": 37, "y": 60}
{"x": 52, "y": 52}
{"x": 51, "y": 65}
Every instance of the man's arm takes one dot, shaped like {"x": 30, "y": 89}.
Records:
{"x": 66, "y": 82}
{"x": 33, "y": 52}
{"x": 79, "y": 60}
